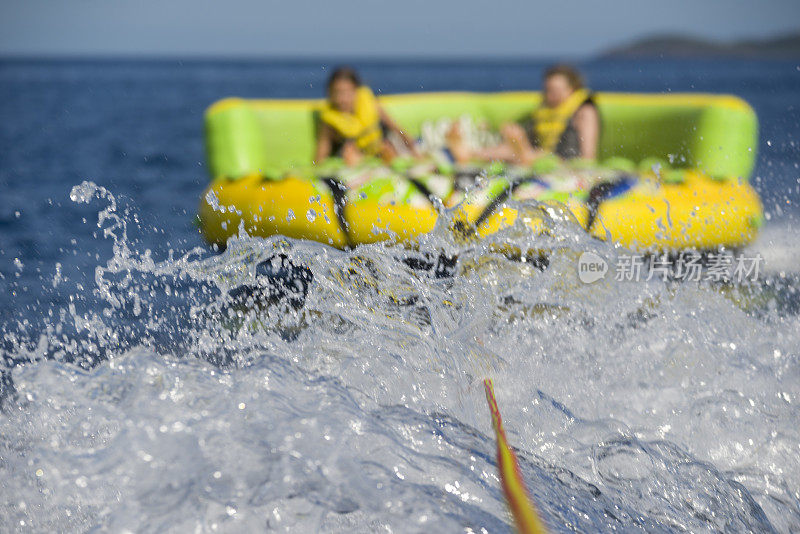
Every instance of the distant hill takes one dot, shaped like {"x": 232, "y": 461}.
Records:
{"x": 784, "y": 46}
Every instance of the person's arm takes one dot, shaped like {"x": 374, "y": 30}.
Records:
{"x": 516, "y": 139}
{"x": 324, "y": 143}
{"x": 393, "y": 126}
{"x": 587, "y": 124}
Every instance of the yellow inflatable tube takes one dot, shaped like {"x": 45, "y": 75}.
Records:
{"x": 698, "y": 213}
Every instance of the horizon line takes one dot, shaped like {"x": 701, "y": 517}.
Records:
{"x": 377, "y": 58}
{"x": 303, "y": 57}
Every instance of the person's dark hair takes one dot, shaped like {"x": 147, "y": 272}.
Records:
{"x": 572, "y": 75}
{"x": 344, "y": 73}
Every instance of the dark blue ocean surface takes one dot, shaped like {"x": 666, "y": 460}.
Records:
{"x": 635, "y": 406}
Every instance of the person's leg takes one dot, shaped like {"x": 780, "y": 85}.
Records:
{"x": 455, "y": 143}
{"x": 388, "y": 152}
{"x": 522, "y": 153}
{"x": 463, "y": 154}
{"x": 501, "y": 152}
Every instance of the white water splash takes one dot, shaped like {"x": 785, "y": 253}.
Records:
{"x": 198, "y": 395}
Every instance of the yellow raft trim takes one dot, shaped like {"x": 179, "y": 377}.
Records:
{"x": 518, "y": 499}
{"x": 699, "y": 213}
{"x": 295, "y": 208}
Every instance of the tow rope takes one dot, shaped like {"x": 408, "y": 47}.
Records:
{"x": 519, "y": 501}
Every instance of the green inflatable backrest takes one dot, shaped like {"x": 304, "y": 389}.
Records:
{"x": 715, "y": 133}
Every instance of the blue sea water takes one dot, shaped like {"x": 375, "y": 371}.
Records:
{"x": 136, "y": 397}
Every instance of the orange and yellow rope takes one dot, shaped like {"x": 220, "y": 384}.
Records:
{"x": 519, "y": 501}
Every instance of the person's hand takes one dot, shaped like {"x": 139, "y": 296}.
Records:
{"x": 351, "y": 155}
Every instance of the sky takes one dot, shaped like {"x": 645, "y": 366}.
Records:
{"x": 293, "y": 28}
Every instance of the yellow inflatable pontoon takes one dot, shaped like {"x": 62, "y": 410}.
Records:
{"x": 673, "y": 174}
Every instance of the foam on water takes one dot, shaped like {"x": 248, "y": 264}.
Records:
{"x": 779, "y": 246}
{"x": 343, "y": 392}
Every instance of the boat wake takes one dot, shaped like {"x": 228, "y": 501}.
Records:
{"x": 290, "y": 386}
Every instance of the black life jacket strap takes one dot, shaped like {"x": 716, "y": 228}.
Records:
{"x": 339, "y": 193}
{"x": 600, "y": 193}
{"x": 504, "y": 195}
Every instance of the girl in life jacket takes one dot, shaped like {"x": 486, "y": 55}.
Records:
{"x": 566, "y": 124}
{"x": 352, "y": 124}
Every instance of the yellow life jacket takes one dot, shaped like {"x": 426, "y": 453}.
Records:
{"x": 361, "y": 126}
{"x": 549, "y": 123}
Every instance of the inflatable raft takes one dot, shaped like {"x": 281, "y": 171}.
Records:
{"x": 672, "y": 174}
